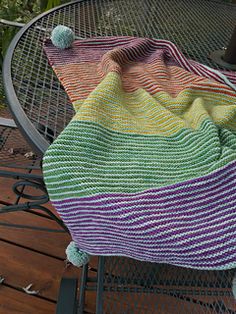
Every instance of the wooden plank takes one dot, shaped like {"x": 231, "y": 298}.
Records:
{"x": 6, "y": 193}
{"x": 143, "y": 303}
{"x": 90, "y": 302}
{"x": 46, "y": 242}
{"x": 15, "y": 302}
{"x": 20, "y": 267}
{"x": 53, "y": 244}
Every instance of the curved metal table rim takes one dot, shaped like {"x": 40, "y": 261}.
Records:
{"x": 28, "y": 130}
{"x": 38, "y": 142}
{"x": 67, "y": 296}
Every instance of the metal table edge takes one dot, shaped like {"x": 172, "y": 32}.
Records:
{"x": 38, "y": 143}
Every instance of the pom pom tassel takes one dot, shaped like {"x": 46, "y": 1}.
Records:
{"x": 75, "y": 256}
{"x": 62, "y": 37}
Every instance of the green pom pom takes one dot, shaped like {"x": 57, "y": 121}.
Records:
{"x": 75, "y": 256}
{"x": 62, "y": 37}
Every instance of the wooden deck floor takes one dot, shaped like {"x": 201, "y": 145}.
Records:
{"x": 37, "y": 257}
{"x": 31, "y": 257}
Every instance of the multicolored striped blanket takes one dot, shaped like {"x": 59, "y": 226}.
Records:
{"x": 147, "y": 166}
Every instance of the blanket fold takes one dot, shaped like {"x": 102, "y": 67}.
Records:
{"x": 146, "y": 168}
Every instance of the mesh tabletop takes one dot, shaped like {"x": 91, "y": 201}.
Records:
{"x": 196, "y": 27}
{"x": 136, "y": 287}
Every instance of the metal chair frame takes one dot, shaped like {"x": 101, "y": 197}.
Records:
{"x": 22, "y": 180}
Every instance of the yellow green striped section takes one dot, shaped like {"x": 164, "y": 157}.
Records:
{"x": 139, "y": 112}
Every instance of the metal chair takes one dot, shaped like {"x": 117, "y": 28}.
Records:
{"x": 19, "y": 163}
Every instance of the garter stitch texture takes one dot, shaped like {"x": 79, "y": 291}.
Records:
{"x": 147, "y": 166}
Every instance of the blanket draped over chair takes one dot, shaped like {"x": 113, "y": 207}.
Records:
{"x": 147, "y": 166}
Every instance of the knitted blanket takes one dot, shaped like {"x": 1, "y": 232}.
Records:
{"x": 147, "y": 166}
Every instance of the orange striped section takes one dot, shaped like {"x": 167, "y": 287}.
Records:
{"x": 81, "y": 79}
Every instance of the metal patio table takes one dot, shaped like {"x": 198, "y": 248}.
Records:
{"x": 42, "y": 110}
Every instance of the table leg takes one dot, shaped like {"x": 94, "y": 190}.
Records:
{"x": 226, "y": 57}
{"x": 230, "y": 53}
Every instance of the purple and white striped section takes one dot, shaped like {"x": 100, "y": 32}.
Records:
{"x": 190, "y": 224}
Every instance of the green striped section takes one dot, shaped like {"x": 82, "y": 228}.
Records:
{"x": 88, "y": 159}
